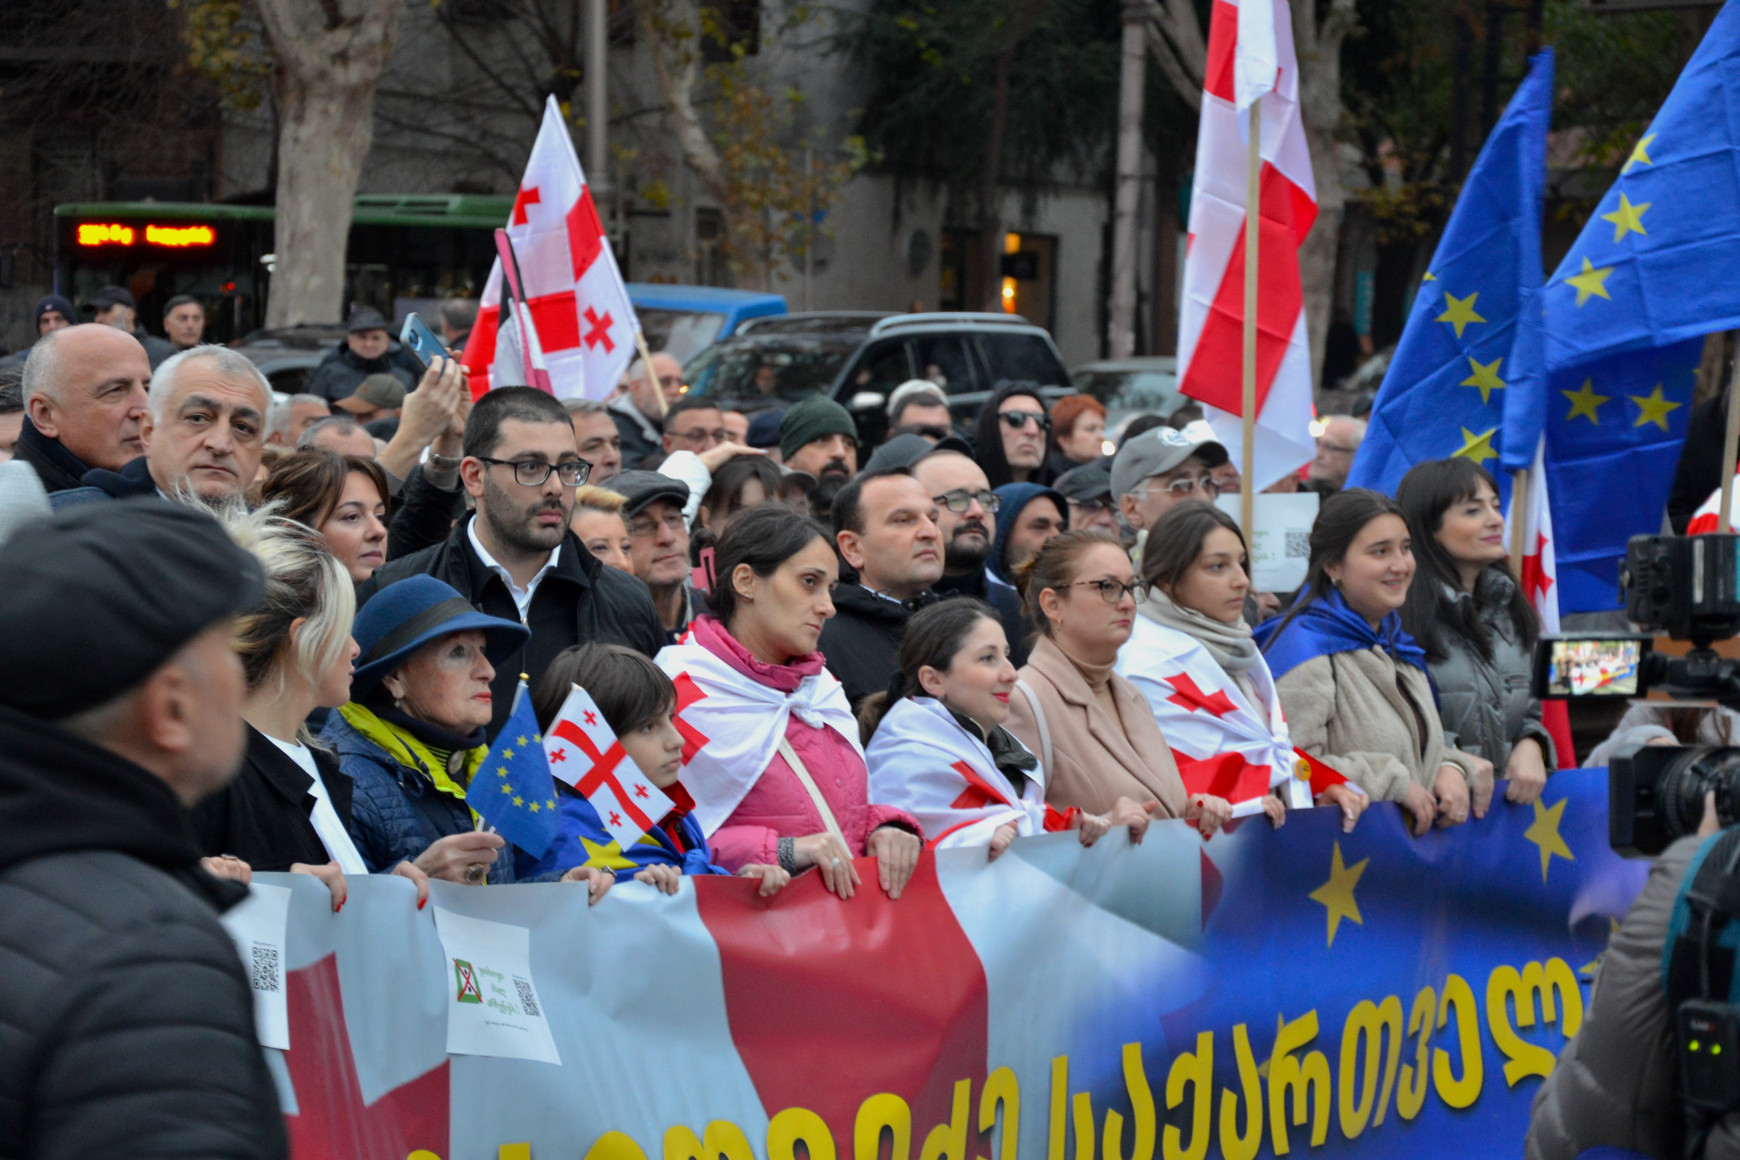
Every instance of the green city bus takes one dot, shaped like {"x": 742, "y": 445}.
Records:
{"x": 406, "y": 252}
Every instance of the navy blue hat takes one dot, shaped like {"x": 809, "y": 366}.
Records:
{"x": 56, "y": 302}
{"x": 401, "y": 618}
{"x": 764, "y": 428}
{"x": 1015, "y": 497}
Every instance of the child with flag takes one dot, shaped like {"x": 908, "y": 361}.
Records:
{"x": 638, "y": 704}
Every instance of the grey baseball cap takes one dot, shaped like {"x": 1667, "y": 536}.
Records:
{"x": 1160, "y": 450}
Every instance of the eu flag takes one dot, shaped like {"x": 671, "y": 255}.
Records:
{"x": 1618, "y": 332}
{"x": 1444, "y": 393}
{"x": 513, "y": 790}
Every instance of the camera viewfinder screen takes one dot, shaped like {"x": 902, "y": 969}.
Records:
{"x": 1600, "y": 668}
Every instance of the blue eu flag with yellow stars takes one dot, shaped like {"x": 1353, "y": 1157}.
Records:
{"x": 1609, "y": 355}
{"x": 1444, "y": 393}
{"x": 512, "y": 790}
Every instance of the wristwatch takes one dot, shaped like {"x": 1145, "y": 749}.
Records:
{"x": 445, "y": 462}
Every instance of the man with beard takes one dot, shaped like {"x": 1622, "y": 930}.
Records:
{"x": 818, "y": 436}
{"x": 516, "y": 557}
{"x": 966, "y": 508}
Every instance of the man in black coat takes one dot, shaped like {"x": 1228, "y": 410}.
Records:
{"x": 84, "y": 400}
{"x": 367, "y": 350}
{"x": 128, "y": 1019}
{"x": 885, "y": 528}
{"x": 515, "y": 558}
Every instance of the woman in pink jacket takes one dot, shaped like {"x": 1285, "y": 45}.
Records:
{"x": 772, "y": 758}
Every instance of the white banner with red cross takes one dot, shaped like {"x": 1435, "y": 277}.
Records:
{"x": 579, "y": 307}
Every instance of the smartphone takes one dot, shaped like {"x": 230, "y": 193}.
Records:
{"x": 421, "y": 341}
{"x": 1591, "y": 666}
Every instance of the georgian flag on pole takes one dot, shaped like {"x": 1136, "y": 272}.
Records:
{"x": 1708, "y": 516}
{"x": 1250, "y": 55}
{"x": 584, "y": 752}
{"x": 579, "y": 308}
{"x": 1540, "y": 576}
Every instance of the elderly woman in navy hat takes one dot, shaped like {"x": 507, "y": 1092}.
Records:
{"x": 412, "y": 734}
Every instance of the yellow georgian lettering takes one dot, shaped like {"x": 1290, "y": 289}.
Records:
{"x": 610, "y": 1146}
{"x": 1459, "y": 1093}
{"x": 950, "y": 1139}
{"x": 1523, "y": 987}
{"x": 425, "y": 1154}
{"x": 1193, "y": 1069}
{"x": 1141, "y": 1107}
{"x": 1059, "y": 1108}
{"x": 1001, "y": 1088}
{"x": 876, "y": 1113}
{"x": 524, "y": 1151}
{"x": 1233, "y": 1145}
{"x": 1307, "y": 1078}
{"x": 721, "y": 1138}
{"x": 1084, "y": 1126}
{"x": 1416, "y": 1076}
{"x": 1370, "y": 1022}
{"x": 794, "y": 1124}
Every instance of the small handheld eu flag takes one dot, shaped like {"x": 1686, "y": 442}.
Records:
{"x": 512, "y": 790}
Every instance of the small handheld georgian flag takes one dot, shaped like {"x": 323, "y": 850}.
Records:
{"x": 584, "y": 752}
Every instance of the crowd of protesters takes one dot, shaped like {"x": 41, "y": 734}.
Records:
{"x": 245, "y": 632}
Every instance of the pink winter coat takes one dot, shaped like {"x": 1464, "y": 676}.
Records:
{"x": 778, "y": 806}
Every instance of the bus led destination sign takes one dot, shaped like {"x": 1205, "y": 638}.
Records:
{"x": 92, "y": 234}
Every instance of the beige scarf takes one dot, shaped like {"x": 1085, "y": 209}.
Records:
{"x": 1230, "y": 645}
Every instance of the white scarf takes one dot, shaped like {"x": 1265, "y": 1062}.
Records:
{"x": 913, "y": 759}
{"x": 742, "y": 721}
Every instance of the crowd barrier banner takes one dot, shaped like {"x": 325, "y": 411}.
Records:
{"x": 1300, "y": 991}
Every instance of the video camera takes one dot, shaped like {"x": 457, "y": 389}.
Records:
{"x": 1687, "y": 588}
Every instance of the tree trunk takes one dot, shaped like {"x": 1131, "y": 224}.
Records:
{"x": 1319, "y": 49}
{"x": 990, "y": 220}
{"x": 331, "y": 56}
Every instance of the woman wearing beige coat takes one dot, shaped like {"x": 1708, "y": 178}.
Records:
{"x": 1091, "y": 728}
{"x": 1354, "y": 684}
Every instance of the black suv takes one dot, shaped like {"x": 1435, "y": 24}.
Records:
{"x": 858, "y": 358}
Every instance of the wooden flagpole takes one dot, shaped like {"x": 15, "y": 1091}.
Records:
{"x": 652, "y": 376}
{"x": 1519, "y": 520}
{"x": 1253, "y": 215}
{"x": 1730, "y": 445}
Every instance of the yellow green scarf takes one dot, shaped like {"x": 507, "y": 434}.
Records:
{"x": 410, "y": 751}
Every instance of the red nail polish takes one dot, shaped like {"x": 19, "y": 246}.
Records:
{"x": 422, "y": 902}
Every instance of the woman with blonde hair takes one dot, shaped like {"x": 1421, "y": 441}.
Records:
{"x": 597, "y": 522}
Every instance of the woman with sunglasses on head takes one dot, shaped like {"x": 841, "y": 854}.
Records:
{"x": 1193, "y": 656}
{"x": 777, "y": 772}
{"x": 1091, "y": 728}
{"x": 1013, "y": 435}
{"x": 1354, "y": 683}
{"x": 1477, "y": 627}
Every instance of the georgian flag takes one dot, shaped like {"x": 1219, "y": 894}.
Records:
{"x": 1709, "y": 514}
{"x": 579, "y": 307}
{"x": 1540, "y": 574}
{"x": 1250, "y": 54}
{"x": 922, "y": 761}
{"x": 732, "y": 725}
{"x": 1224, "y": 744}
{"x": 584, "y": 752}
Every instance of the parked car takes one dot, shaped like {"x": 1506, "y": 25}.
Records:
{"x": 685, "y": 320}
{"x": 1131, "y": 386}
{"x": 288, "y": 355}
{"x": 858, "y": 358}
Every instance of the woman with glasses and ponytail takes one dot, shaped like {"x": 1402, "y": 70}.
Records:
{"x": 1092, "y": 729}
{"x": 936, "y": 746}
{"x": 1352, "y": 681}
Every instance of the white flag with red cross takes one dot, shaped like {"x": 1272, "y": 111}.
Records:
{"x": 1211, "y": 327}
{"x": 1540, "y": 576}
{"x": 585, "y": 324}
{"x": 584, "y": 752}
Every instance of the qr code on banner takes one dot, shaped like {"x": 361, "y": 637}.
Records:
{"x": 528, "y": 998}
{"x": 264, "y": 972}
{"x": 1298, "y": 546}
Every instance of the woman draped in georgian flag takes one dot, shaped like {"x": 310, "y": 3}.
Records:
{"x": 937, "y": 746}
{"x": 771, "y": 753}
{"x": 1192, "y": 655}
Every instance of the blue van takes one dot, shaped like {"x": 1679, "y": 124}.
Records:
{"x": 685, "y": 320}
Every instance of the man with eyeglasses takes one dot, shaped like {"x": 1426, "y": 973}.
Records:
{"x": 1342, "y": 435}
{"x": 694, "y": 423}
{"x": 516, "y": 557}
{"x": 638, "y": 412}
{"x": 1088, "y": 491}
{"x": 966, "y": 516}
{"x": 1160, "y": 469}
{"x": 658, "y": 539}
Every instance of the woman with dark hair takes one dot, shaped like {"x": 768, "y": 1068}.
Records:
{"x": 1354, "y": 683}
{"x": 936, "y": 744}
{"x": 741, "y": 482}
{"x": 1013, "y": 434}
{"x": 639, "y": 703}
{"x": 1193, "y": 657}
{"x": 776, "y": 767}
{"x": 1474, "y": 622}
{"x": 343, "y": 497}
{"x": 1092, "y": 729}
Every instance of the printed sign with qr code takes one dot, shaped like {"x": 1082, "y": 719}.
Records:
{"x": 528, "y": 997}
{"x": 265, "y": 972}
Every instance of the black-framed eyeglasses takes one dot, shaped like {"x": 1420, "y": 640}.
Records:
{"x": 648, "y": 525}
{"x": 1019, "y": 419}
{"x": 960, "y": 499}
{"x": 527, "y": 473}
{"x": 1097, "y": 504}
{"x": 1112, "y": 591}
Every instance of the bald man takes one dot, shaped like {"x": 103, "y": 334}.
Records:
{"x": 85, "y": 402}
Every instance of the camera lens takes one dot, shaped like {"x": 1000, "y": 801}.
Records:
{"x": 1688, "y": 776}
